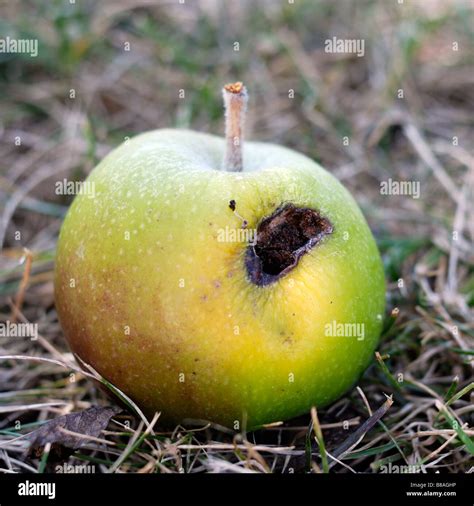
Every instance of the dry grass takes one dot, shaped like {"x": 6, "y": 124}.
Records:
{"x": 426, "y": 355}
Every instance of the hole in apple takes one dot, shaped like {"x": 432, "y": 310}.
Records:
{"x": 282, "y": 239}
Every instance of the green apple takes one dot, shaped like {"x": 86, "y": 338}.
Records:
{"x": 241, "y": 296}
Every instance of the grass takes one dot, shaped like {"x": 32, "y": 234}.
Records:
{"x": 85, "y": 93}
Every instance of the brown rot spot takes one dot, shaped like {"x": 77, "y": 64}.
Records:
{"x": 282, "y": 239}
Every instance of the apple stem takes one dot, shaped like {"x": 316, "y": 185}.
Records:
{"x": 235, "y": 103}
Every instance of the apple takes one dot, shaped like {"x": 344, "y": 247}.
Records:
{"x": 242, "y": 292}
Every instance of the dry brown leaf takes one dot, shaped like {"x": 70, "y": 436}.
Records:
{"x": 90, "y": 422}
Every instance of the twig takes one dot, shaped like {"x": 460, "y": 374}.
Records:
{"x": 422, "y": 148}
{"x": 20, "y": 297}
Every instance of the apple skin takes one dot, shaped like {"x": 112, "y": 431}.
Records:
{"x": 149, "y": 297}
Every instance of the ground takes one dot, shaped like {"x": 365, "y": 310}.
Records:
{"x": 399, "y": 109}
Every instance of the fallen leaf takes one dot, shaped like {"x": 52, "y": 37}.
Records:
{"x": 90, "y": 422}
